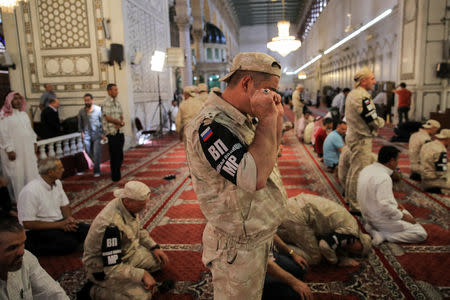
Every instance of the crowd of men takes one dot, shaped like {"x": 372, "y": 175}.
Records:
{"x": 257, "y": 243}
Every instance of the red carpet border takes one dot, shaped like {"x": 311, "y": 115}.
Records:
{"x": 175, "y": 221}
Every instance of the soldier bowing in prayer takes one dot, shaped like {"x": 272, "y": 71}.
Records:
{"x": 316, "y": 227}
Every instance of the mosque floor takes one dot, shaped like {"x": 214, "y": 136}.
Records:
{"x": 175, "y": 221}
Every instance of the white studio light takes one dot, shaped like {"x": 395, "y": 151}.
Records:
{"x": 157, "y": 62}
{"x": 344, "y": 40}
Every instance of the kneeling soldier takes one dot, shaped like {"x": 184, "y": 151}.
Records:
{"x": 119, "y": 254}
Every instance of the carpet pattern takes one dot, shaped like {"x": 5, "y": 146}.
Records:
{"x": 175, "y": 221}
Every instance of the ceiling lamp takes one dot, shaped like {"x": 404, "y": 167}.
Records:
{"x": 8, "y": 5}
{"x": 283, "y": 43}
{"x": 302, "y": 76}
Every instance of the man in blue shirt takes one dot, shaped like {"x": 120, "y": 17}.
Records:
{"x": 333, "y": 145}
{"x": 90, "y": 126}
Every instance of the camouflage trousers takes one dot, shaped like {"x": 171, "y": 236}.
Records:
{"x": 298, "y": 113}
{"x": 360, "y": 158}
{"x": 443, "y": 184}
{"x": 121, "y": 288}
{"x": 238, "y": 270}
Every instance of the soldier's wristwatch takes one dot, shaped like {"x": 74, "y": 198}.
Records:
{"x": 157, "y": 246}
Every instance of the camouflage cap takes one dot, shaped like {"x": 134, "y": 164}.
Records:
{"x": 192, "y": 90}
{"x": 299, "y": 86}
{"x": 202, "y": 87}
{"x": 431, "y": 123}
{"x": 360, "y": 75}
{"x": 216, "y": 89}
{"x": 254, "y": 61}
{"x": 444, "y": 134}
{"x": 134, "y": 190}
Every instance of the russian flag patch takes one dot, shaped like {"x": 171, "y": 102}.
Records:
{"x": 206, "y": 134}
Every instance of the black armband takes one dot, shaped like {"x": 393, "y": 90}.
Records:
{"x": 223, "y": 150}
{"x": 369, "y": 113}
{"x": 111, "y": 247}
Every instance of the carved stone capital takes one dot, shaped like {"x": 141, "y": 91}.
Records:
{"x": 183, "y": 21}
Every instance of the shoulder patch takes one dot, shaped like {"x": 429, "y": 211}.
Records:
{"x": 223, "y": 150}
{"x": 111, "y": 247}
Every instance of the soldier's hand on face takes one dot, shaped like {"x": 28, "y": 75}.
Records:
{"x": 161, "y": 256}
{"x": 263, "y": 103}
{"x": 408, "y": 218}
{"x": 12, "y": 155}
{"x": 300, "y": 261}
{"x": 148, "y": 281}
{"x": 302, "y": 289}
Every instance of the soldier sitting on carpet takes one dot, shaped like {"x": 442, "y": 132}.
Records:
{"x": 119, "y": 254}
{"x": 316, "y": 227}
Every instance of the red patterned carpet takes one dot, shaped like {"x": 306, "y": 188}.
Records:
{"x": 175, "y": 221}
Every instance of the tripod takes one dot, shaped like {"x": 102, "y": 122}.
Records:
{"x": 162, "y": 112}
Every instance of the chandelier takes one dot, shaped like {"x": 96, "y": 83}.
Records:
{"x": 283, "y": 43}
{"x": 8, "y": 5}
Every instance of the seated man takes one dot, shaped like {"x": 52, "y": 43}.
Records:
{"x": 119, "y": 254}
{"x": 416, "y": 141}
{"x": 317, "y": 227}
{"x": 285, "y": 271}
{"x": 321, "y": 135}
{"x": 434, "y": 164}
{"x": 384, "y": 218}
{"x": 44, "y": 211}
{"x": 333, "y": 145}
{"x": 21, "y": 276}
{"x": 303, "y": 122}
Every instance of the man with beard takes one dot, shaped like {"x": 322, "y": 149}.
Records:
{"x": 17, "y": 144}
{"x": 21, "y": 276}
{"x": 90, "y": 126}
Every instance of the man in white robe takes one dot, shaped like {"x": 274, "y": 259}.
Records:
{"x": 17, "y": 144}
{"x": 384, "y": 218}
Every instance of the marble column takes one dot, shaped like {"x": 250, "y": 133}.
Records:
{"x": 183, "y": 19}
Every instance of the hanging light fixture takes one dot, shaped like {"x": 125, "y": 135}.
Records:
{"x": 302, "y": 75}
{"x": 283, "y": 43}
{"x": 8, "y": 5}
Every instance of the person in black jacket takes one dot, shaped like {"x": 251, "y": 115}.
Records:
{"x": 51, "y": 125}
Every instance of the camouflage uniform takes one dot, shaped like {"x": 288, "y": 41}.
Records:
{"x": 124, "y": 280}
{"x": 241, "y": 220}
{"x": 416, "y": 141}
{"x": 344, "y": 165}
{"x": 203, "y": 97}
{"x": 310, "y": 216}
{"x": 187, "y": 110}
{"x": 431, "y": 177}
{"x": 298, "y": 107}
{"x": 359, "y": 140}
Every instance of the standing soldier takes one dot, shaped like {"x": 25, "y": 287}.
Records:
{"x": 434, "y": 164}
{"x": 202, "y": 92}
{"x": 119, "y": 254}
{"x": 235, "y": 176}
{"x": 188, "y": 109}
{"x": 363, "y": 123}
{"x": 416, "y": 141}
{"x": 298, "y": 104}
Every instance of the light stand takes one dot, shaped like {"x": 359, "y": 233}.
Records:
{"x": 157, "y": 64}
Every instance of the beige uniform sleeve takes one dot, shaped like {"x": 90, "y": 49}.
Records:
{"x": 247, "y": 173}
{"x": 429, "y": 158}
{"x": 145, "y": 239}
